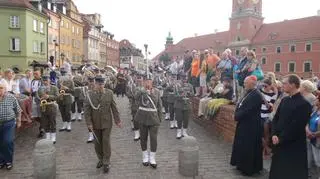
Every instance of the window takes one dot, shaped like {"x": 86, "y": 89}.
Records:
{"x": 308, "y": 47}
{"x": 291, "y": 67}
{"x": 307, "y": 67}
{"x": 42, "y": 47}
{"x": 61, "y": 23}
{"x": 50, "y": 23}
{"x": 264, "y": 49}
{"x": 35, "y": 25}
{"x": 64, "y": 10}
{"x": 77, "y": 31}
{"x": 14, "y": 44}
{"x": 263, "y": 60}
{"x": 41, "y": 27}
{"x": 278, "y": 49}
{"x": 292, "y": 48}
{"x": 35, "y": 46}
{"x": 49, "y": 5}
{"x": 62, "y": 40}
{"x": 14, "y": 22}
{"x": 237, "y": 52}
{"x": 277, "y": 67}
{"x": 254, "y": 49}
{"x": 73, "y": 29}
{"x": 67, "y": 25}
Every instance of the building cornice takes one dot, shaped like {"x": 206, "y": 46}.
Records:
{"x": 26, "y": 9}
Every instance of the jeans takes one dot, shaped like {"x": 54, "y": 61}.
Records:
{"x": 7, "y": 131}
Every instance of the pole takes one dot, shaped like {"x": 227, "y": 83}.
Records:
{"x": 146, "y": 48}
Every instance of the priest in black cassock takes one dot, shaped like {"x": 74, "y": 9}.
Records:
{"x": 289, "y": 158}
{"x": 247, "y": 146}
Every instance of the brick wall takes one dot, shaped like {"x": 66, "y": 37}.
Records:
{"x": 222, "y": 124}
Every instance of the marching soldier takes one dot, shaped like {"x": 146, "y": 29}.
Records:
{"x": 99, "y": 109}
{"x": 65, "y": 99}
{"x": 170, "y": 102}
{"x": 166, "y": 90}
{"x": 48, "y": 94}
{"x": 90, "y": 87}
{"x": 77, "y": 105}
{"x": 182, "y": 107}
{"x": 149, "y": 116}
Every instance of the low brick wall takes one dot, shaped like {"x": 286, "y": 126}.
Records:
{"x": 223, "y": 124}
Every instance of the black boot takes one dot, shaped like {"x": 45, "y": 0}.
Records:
{"x": 99, "y": 164}
{"x": 41, "y": 134}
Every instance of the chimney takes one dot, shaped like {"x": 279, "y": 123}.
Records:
{"x": 215, "y": 31}
{"x": 318, "y": 12}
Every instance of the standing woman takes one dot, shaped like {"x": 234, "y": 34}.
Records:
{"x": 195, "y": 71}
{"x": 149, "y": 116}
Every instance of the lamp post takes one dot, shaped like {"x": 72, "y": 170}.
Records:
{"x": 146, "y": 50}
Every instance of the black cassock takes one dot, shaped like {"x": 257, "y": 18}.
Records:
{"x": 247, "y": 145}
{"x": 289, "y": 158}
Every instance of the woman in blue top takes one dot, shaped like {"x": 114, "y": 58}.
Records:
{"x": 313, "y": 138}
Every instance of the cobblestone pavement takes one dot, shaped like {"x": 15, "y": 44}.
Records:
{"x": 77, "y": 159}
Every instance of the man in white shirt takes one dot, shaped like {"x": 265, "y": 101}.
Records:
{"x": 8, "y": 81}
{"x": 67, "y": 66}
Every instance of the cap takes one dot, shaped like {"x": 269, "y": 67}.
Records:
{"x": 45, "y": 77}
{"x": 99, "y": 79}
{"x": 91, "y": 79}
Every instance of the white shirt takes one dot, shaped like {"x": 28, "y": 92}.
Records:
{"x": 67, "y": 67}
{"x": 11, "y": 85}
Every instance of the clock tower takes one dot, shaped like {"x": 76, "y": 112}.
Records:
{"x": 246, "y": 19}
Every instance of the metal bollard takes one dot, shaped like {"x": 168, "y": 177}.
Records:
{"x": 189, "y": 157}
{"x": 44, "y": 160}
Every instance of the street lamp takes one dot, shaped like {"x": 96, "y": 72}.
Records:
{"x": 146, "y": 50}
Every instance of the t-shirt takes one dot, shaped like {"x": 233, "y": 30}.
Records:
{"x": 270, "y": 98}
{"x": 212, "y": 60}
{"x": 195, "y": 67}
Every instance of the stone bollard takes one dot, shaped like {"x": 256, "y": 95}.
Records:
{"x": 44, "y": 160}
{"x": 189, "y": 157}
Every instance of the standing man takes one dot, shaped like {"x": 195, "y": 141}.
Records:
{"x": 10, "y": 117}
{"x": 289, "y": 158}
{"x": 35, "y": 85}
{"x": 149, "y": 116}
{"x": 48, "y": 94}
{"x": 77, "y": 105}
{"x": 241, "y": 72}
{"x": 247, "y": 146}
{"x": 66, "y": 87}
{"x": 99, "y": 110}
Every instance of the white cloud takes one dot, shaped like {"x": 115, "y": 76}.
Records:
{"x": 149, "y": 21}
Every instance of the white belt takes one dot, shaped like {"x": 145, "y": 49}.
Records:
{"x": 148, "y": 109}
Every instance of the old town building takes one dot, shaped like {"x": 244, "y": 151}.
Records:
{"x": 53, "y": 30}
{"x": 131, "y": 57}
{"x": 113, "y": 53}
{"x": 71, "y": 32}
{"x": 290, "y": 46}
{"x": 23, "y": 33}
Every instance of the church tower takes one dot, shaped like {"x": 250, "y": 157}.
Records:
{"x": 169, "y": 41}
{"x": 246, "y": 19}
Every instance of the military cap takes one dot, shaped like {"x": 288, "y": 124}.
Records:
{"x": 91, "y": 79}
{"x": 99, "y": 79}
{"x": 45, "y": 77}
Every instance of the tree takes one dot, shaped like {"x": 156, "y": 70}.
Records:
{"x": 165, "y": 58}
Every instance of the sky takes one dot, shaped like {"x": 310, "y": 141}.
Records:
{"x": 149, "y": 21}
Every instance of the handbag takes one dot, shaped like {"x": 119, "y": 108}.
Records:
{"x": 258, "y": 73}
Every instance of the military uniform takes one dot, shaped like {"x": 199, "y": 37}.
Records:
{"x": 171, "y": 91}
{"x": 65, "y": 101}
{"x": 131, "y": 94}
{"x": 78, "y": 98}
{"x": 99, "y": 110}
{"x": 89, "y": 87}
{"x": 48, "y": 109}
{"x": 149, "y": 116}
{"x": 182, "y": 108}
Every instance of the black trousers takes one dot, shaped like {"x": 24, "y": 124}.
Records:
{"x": 48, "y": 118}
{"x": 171, "y": 111}
{"x": 165, "y": 105}
{"x": 79, "y": 104}
{"x": 182, "y": 117}
{"x": 65, "y": 111}
{"x": 144, "y": 133}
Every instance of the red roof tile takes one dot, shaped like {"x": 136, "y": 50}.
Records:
{"x": 304, "y": 28}
{"x": 16, "y": 3}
